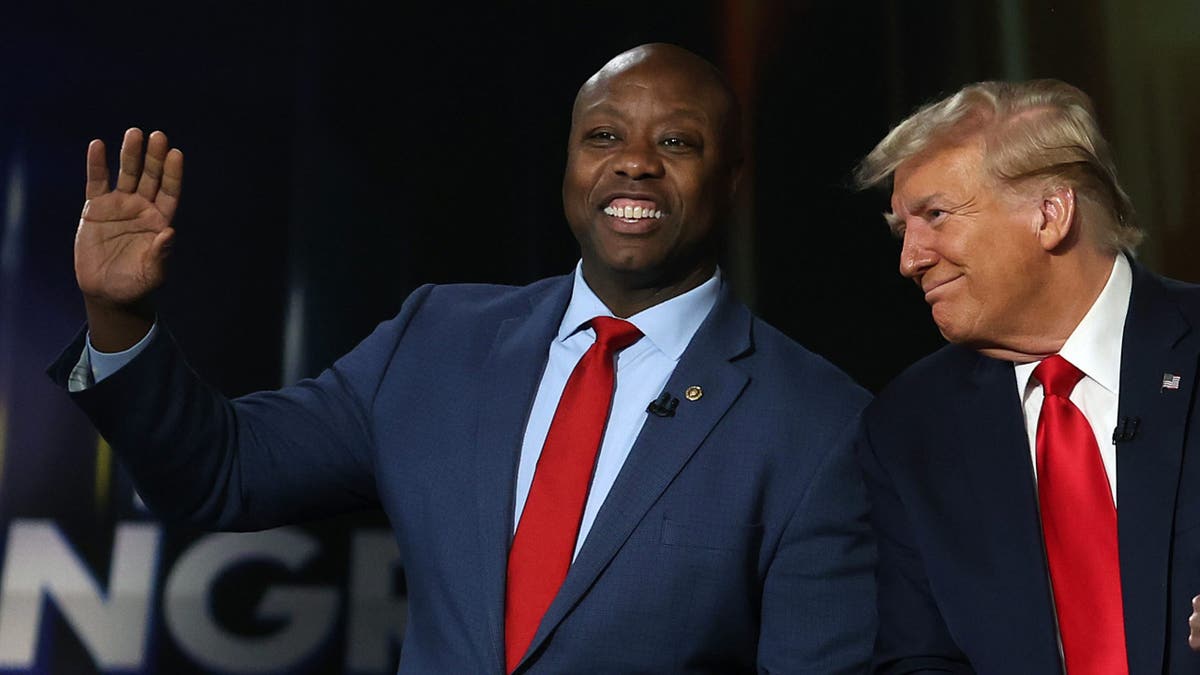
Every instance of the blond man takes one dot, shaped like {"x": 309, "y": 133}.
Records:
{"x": 1034, "y": 483}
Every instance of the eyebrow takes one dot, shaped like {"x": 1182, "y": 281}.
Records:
{"x": 919, "y": 205}
{"x": 894, "y": 221}
{"x": 924, "y": 202}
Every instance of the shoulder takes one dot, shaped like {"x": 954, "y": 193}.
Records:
{"x": 1160, "y": 309}
{"x": 1150, "y": 290}
{"x": 783, "y": 366}
{"x": 783, "y": 356}
{"x": 442, "y": 316}
{"x": 926, "y": 388}
{"x": 479, "y": 300}
{"x": 948, "y": 366}
{"x": 1185, "y": 294}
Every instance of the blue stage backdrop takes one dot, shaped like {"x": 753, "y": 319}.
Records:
{"x": 90, "y": 582}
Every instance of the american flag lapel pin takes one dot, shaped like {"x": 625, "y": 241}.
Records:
{"x": 1169, "y": 381}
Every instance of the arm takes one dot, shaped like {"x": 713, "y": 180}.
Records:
{"x": 259, "y": 461}
{"x": 912, "y": 636}
{"x": 251, "y": 463}
{"x": 255, "y": 462}
{"x": 818, "y": 613}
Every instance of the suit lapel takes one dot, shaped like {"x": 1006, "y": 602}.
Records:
{"x": 1006, "y": 531}
{"x": 1157, "y": 342}
{"x": 663, "y": 447}
{"x": 509, "y": 380}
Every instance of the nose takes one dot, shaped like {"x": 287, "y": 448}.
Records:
{"x": 917, "y": 253}
{"x": 639, "y": 161}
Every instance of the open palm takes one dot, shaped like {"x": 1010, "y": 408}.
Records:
{"x": 124, "y": 232}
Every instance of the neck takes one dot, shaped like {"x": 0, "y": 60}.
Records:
{"x": 627, "y": 295}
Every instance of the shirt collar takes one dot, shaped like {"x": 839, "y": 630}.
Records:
{"x": 670, "y": 325}
{"x": 1094, "y": 347}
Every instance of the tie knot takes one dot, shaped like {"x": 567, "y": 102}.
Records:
{"x": 1057, "y": 375}
{"x": 614, "y": 334}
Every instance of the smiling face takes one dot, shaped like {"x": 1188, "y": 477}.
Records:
{"x": 650, "y": 172}
{"x": 972, "y": 246}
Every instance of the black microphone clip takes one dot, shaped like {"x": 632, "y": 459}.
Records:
{"x": 1126, "y": 429}
{"x": 664, "y": 406}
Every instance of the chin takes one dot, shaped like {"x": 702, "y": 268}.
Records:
{"x": 951, "y": 324}
{"x": 629, "y": 260}
{"x": 614, "y": 268}
{"x": 952, "y": 331}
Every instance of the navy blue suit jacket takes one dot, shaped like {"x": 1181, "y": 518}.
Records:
{"x": 735, "y": 538}
{"x": 963, "y": 583}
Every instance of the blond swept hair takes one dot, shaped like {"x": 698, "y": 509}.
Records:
{"x": 1043, "y": 130}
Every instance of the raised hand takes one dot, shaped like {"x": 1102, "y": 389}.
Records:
{"x": 124, "y": 236}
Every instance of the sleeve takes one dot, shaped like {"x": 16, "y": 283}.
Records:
{"x": 95, "y": 365}
{"x": 818, "y": 613}
{"x": 912, "y": 636}
{"x": 255, "y": 462}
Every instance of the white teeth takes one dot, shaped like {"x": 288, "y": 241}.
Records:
{"x": 632, "y": 212}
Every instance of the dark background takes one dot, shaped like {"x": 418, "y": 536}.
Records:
{"x": 340, "y": 154}
{"x": 343, "y": 154}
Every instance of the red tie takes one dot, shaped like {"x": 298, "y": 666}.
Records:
{"x": 1079, "y": 523}
{"x": 545, "y": 539}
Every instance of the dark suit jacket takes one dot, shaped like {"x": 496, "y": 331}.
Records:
{"x": 963, "y": 583}
{"x": 734, "y": 538}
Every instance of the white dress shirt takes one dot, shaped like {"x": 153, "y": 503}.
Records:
{"x": 1094, "y": 347}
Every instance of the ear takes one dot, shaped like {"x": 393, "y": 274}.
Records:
{"x": 1057, "y": 217}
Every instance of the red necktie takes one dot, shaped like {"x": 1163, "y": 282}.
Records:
{"x": 1079, "y": 524}
{"x": 545, "y": 539}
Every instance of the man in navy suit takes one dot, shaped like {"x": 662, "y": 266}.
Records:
{"x": 724, "y": 526}
{"x": 1034, "y": 484}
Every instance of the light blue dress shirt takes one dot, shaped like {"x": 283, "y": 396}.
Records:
{"x": 642, "y": 371}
